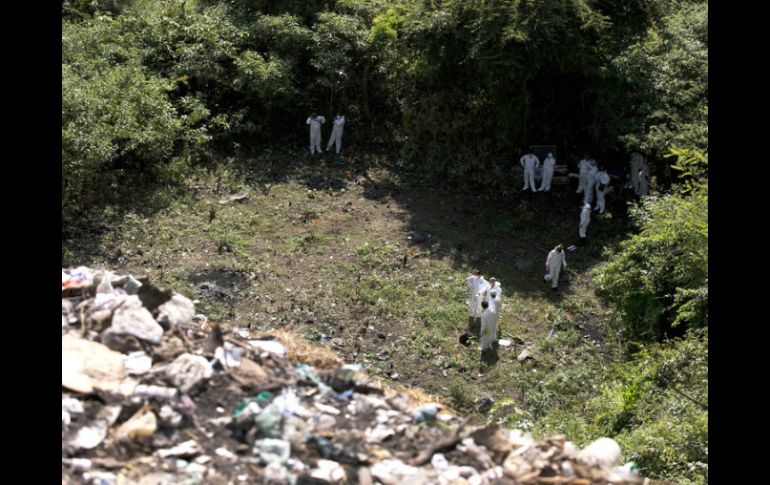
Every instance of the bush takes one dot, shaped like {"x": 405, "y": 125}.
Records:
{"x": 118, "y": 117}
{"x": 654, "y": 406}
{"x": 658, "y": 279}
{"x": 643, "y": 407}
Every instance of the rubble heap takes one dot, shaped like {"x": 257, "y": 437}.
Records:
{"x": 151, "y": 394}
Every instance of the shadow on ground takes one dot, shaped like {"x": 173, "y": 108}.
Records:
{"x": 507, "y": 237}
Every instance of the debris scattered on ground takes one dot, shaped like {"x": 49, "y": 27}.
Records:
{"x": 153, "y": 393}
{"x": 234, "y": 198}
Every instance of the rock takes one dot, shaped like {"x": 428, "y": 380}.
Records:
{"x": 226, "y": 454}
{"x": 272, "y": 346}
{"x": 169, "y": 417}
{"x": 492, "y": 438}
{"x": 249, "y": 373}
{"x": 330, "y": 471}
{"x": 132, "y": 318}
{"x": 155, "y": 392}
{"x": 395, "y": 472}
{"x": 188, "y": 371}
{"x": 272, "y": 450}
{"x": 604, "y": 451}
{"x": 188, "y": 448}
{"x": 100, "y": 478}
{"x": 137, "y": 363}
{"x": 177, "y": 311}
{"x": 78, "y": 464}
{"x": 379, "y": 433}
{"x": 91, "y": 435}
{"x": 101, "y": 309}
{"x": 90, "y": 366}
{"x": 274, "y": 474}
{"x": 140, "y": 426}
{"x": 426, "y": 413}
{"x": 120, "y": 342}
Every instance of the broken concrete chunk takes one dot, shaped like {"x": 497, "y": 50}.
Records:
{"x": 188, "y": 371}
{"x": 132, "y": 318}
{"x": 90, "y": 366}
{"x": 177, "y": 311}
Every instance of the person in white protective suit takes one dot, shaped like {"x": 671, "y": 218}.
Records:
{"x": 585, "y": 218}
{"x": 588, "y": 189}
{"x": 636, "y": 165}
{"x": 602, "y": 185}
{"x": 474, "y": 284}
{"x": 488, "y": 325}
{"x": 489, "y": 287}
{"x": 338, "y": 127}
{"x": 644, "y": 180}
{"x": 583, "y": 169}
{"x": 548, "y": 165}
{"x": 315, "y": 122}
{"x": 530, "y": 162}
{"x": 553, "y": 265}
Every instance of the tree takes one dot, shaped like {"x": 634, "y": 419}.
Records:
{"x": 658, "y": 279}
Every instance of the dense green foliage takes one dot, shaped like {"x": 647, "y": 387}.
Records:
{"x": 658, "y": 278}
{"x": 448, "y": 83}
{"x": 654, "y": 406}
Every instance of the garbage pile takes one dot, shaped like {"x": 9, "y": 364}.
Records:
{"x": 153, "y": 394}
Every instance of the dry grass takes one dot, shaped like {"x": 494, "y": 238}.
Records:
{"x": 303, "y": 352}
{"x": 418, "y": 397}
{"x": 324, "y": 358}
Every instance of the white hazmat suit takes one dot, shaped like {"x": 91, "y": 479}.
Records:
{"x": 588, "y": 188}
{"x": 602, "y": 184}
{"x": 548, "y": 165}
{"x": 489, "y": 326}
{"x": 583, "y": 168}
{"x": 474, "y": 300}
{"x": 339, "y": 126}
{"x": 315, "y": 123}
{"x": 530, "y": 162}
{"x": 585, "y": 218}
{"x": 644, "y": 180}
{"x": 486, "y": 290}
{"x": 553, "y": 265}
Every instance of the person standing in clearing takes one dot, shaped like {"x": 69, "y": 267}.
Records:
{"x": 583, "y": 169}
{"x": 475, "y": 283}
{"x": 588, "y": 194}
{"x": 315, "y": 122}
{"x": 339, "y": 125}
{"x": 553, "y": 264}
{"x": 530, "y": 162}
{"x": 602, "y": 185}
{"x": 488, "y": 325}
{"x": 548, "y": 164}
{"x": 644, "y": 180}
